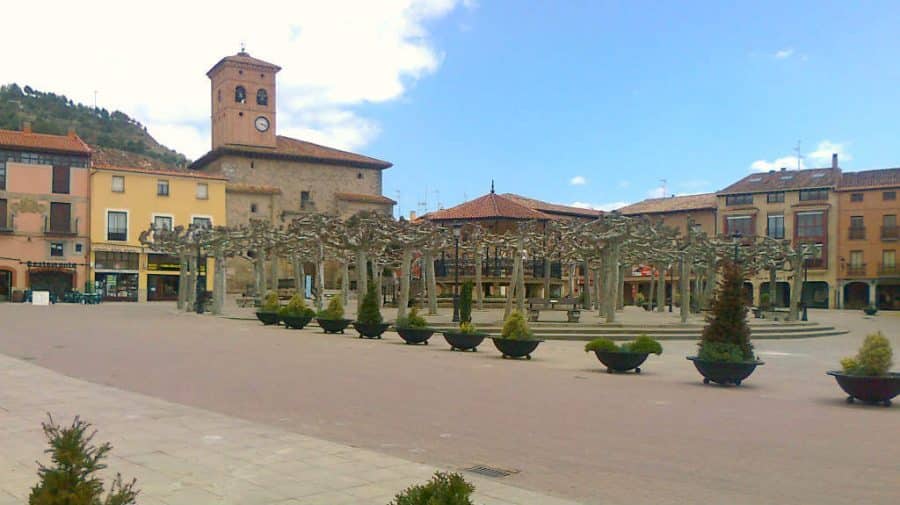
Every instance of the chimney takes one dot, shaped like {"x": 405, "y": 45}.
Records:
{"x": 412, "y": 215}
{"x": 783, "y": 169}
{"x": 772, "y": 171}
{"x": 834, "y": 161}
{"x": 26, "y": 127}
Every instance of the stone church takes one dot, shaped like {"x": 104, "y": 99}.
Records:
{"x": 271, "y": 176}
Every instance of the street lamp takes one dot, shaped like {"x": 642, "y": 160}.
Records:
{"x": 457, "y": 230}
{"x": 803, "y": 290}
{"x": 671, "y": 285}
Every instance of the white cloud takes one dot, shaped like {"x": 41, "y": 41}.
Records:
{"x": 578, "y": 180}
{"x": 623, "y": 184}
{"x": 784, "y": 54}
{"x": 599, "y": 206}
{"x": 820, "y": 157}
{"x": 335, "y": 56}
{"x": 823, "y": 152}
{"x": 657, "y": 192}
{"x": 788, "y": 162}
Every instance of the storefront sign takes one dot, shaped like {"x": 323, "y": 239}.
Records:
{"x": 50, "y": 264}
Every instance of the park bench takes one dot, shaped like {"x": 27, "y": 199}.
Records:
{"x": 569, "y": 305}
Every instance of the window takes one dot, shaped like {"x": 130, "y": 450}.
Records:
{"x": 746, "y": 199}
{"x": 359, "y": 175}
{"x": 889, "y": 227}
{"x": 202, "y": 222}
{"x": 305, "y": 200}
{"x": 856, "y": 222}
{"x": 79, "y": 248}
{"x": 857, "y": 228}
{"x": 262, "y": 97}
{"x": 889, "y": 258}
{"x": 117, "y": 225}
{"x": 61, "y": 179}
{"x": 162, "y": 187}
{"x": 807, "y": 195}
{"x": 253, "y": 208}
{"x": 202, "y": 191}
{"x": 118, "y": 184}
{"x": 889, "y": 195}
{"x": 739, "y": 224}
{"x": 856, "y": 258}
{"x": 856, "y": 197}
{"x": 776, "y": 226}
{"x": 3, "y": 174}
{"x": 105, "y": 260}
{"x": 777, "y": 197}
{"x": 3, "y": 216}
{"x": 56, "y": 248}
{"x": 162, "y": 223}
{"x": 60, "y": 217}
{"x": 810, "y": 225}
{"x": 240, "y": 94}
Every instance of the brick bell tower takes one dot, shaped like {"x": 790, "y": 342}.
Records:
{"x": 243, "y": 101}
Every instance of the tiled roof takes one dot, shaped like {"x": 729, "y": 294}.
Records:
{"x": 359, "y": 197}
{"x": 489, "y": 206}
{"x": 245, "y": 59}
{"x": 783, "y": 180}
{"x": 167, "y": 173}
{"x": 884, "y": 177}
{"x": 671, "y": 204}
{"x": 105, "y": 156}
{"x": 248, "y": 188}
{"x": 553, "y": 208}
{"x": 43, "y": 142}
{"x": 294, "y": 149}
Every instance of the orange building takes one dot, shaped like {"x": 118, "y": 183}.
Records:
{"x": 44, "y": 212}
{"x": 868, "y": 209}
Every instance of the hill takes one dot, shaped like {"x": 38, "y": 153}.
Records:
{"x": 55, "y": 114}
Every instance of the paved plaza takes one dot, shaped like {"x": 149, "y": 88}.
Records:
{"x": 214, "y": 410}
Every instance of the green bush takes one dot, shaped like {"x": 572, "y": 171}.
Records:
{"x": 728, "y": 322}
{"x": 369, "y": 312}
{"x": 442, "y": 489}
{"x": 639, "y": 299}
{"x": 271, "y": 303}
{"x": 296, "y": 307}
{"x": 72, "y": 479}
{"x": 644, "y": 344}
{"x": 465, "y": 302}
{"x": 874, "y": 357}
{"x": 334, "y": 310}
{"x": 602, "y": 345}
{"x": 764, "y": 301}
{"x": 412, "y": 320}
{"x": 467, "y": 328}
{"x": 515, "y": 327}
{"x": 721, "y": 351}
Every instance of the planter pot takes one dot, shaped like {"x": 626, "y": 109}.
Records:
{"x": 515, "y": 348}
{"x": 268, "y": 318}
{"x": 870, "y": 311}
{"x": 371, "y": 330}
{"x": 724, "y": 372}
{"x": 295, "y": 322}
{"x": 878, "y": 389}
{"x": 334, "y": 325}
{"x": 415, "y": 335}
{"x": 621, "y": 361}
{"x": 573, "y": 316}
{"x": 464, "y": 341}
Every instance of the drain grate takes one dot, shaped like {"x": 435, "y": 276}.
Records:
{"x": 489, "y": 471}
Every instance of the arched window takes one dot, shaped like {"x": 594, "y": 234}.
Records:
{"x": 240, "y": 94}
{"x": 262, "y": 97}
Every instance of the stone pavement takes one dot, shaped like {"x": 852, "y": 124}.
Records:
{"x": 184, "y": 455}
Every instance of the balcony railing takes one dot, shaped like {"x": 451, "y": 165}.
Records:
{"x": 859, "y": 269}
{"x": 66, "y": 228}
{"x": 495, "y": 268}
{"x": 889, "y": 269}
{"x": 857, "y": 233}
{"x": 890, "y": 232}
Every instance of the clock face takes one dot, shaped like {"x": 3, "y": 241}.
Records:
{"x": 262, "y": 124}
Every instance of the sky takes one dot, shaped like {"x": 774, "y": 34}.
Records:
{"x": 590, "y": 103}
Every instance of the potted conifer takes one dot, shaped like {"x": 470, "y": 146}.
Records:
{"x": 628, "y": 356}
{"x": 516, "y": 340}
{"x": 413, "y": 328}
{"x": 726, "y": 354}
{"x": 466, "y": 337}
{"x": 867, "y": 377}
{"x": 295, "y": 315}
{"x": 332, "y": 318}
{"x": 268, "y": 311}
{"x": 369, "y": 322}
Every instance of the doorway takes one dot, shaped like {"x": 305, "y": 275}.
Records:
{"x": 5, "y": 285}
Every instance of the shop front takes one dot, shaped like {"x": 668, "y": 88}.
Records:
{"x": 116, "y": 275}
{"x": 57, "y": 278}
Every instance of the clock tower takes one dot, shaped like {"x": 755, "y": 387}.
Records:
{"x": 243, "y": 102}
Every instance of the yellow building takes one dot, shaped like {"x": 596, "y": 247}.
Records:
{"x": 127, "y": 201}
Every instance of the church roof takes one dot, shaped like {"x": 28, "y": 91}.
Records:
{"x": 297, "y": 150}
{"x": 244, "y": 59}
{"x": 489, "y": 206}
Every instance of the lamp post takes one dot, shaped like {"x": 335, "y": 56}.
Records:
{"x": 671, "y": 285}
{"x": 457, "y": 229}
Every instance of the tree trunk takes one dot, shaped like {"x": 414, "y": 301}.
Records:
{"x": 276, "y": 273}
{"x": 377, "y": 272}
{"x": 520, "y": 284}
{"x": 661, "y": 290}
{"x": 191, "y": 287}
{"x": 587, "y": 288}
{"x": 612, "y": 283}
{"x": 259, "y": 276}
{"x": 479, "y": 290}
{"x": 320, "y": 280}
{"x": 797, "y": 287}
{"x": 511, "y": 289}
{"x": 404, "y": 283}
{"x": 431, "y": 283}
{"x": 773, "y": 274}
{"x": 652, "y": 292}
{"x": 573, "y": 271}
{"x": 345, "y": 281}
{"x": 219, "y": 283}
{"x": 685, "y": 274}
{"x": 598, "y": 295}
{"x": 362, "y": 278}
{"x": 299, "y": 277}
{"x": 620, "y": 297}
{"x": 182, "y": 281}
{"x": 710, "y": 283}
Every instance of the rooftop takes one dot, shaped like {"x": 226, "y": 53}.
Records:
{"x": 489, "y": 206}
{"x": 28, "y": 140}
{"x": 298, "y": 150}
{"x": 158, "y": 172}
{"x": 703, "y": 201}
{"x": 785, "y": 180}
{"x": 245, "y": 59}
{"x": 361, "y": 197}
{"x": 885, "y": 177}
{"x": 556, "y": 210}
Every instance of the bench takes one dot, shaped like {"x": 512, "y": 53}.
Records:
{"x": 774, "y": 314}
{"x": 569, "y": 305}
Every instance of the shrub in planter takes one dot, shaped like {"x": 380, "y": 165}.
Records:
{"x": 72, "y": 479}
{"x": 268, "y": 311}
{"x": 867, "y": 375}
{"x": 369, "y": 322}
{"x": 628, "y": 356}
{"x": 331, "y": 319}
{"x": 296, "y": 314}
{"x": 413, "y": 328}
{"x": 467, "y": 337}
{"x": 516, "y": 340}
{"x": 442, "y": 489}
{"x": 726, "y": 355}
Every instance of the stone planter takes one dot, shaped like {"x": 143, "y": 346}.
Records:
{"x": 464, "y": 341}
{"x": 295, "y": 322}
{"x": 511, "y": 348}
{"x": 370, "y": 330}
{"x": 268, "y": 318}
{"x": 875, "y": 389}
{"x": 415, "y": 335}
{"x": 621, "y": 361}
{"x": 573, "y": 315}
{"x": 724, "y": 372}
{"x": 334, "y": 325}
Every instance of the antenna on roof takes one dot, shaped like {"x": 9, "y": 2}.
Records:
{"x": 492, "y": 186}
{"x": 799, "y": 156}
{"x": 243, "y": 47}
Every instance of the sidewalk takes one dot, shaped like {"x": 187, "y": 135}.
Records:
{"x": 182, "y": 455}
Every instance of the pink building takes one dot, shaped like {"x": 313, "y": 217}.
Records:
{"x": 44, "y": 235}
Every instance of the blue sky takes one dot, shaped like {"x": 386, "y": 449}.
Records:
{"x": 625, "y": 94}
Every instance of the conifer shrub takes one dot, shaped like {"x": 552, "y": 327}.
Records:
{"x": 412, "y": 320}
{"x": 516, "y": 327}
{"x": 642, "y": 344}
{"x": 873, "y": 359}
{"x": 726, "y": 336}
{"x": 270, "y": 304}
{"x": 369, "y": 312}
{"x": 465, "y": 303}
{"x": 72, "y": 477}
{"x": 442, "y": 489}
{"x": 602, "y": 345}
{"x": 296, "y": 307}
{"x": 467, "y": 328}
{"x": 334, "y": 310}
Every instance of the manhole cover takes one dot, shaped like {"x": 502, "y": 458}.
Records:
{"x": 489, "y": 471}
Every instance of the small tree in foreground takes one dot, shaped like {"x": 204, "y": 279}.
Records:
{"x": 465, "y": 303}
{"x": 335, "y": 309}
{"x": 874, "y": 357}
{"x": 442, "y": 489}
{"x": 726, "y": 336}
{"x": 72, "y": 480}
{"x": 368, "y": 312}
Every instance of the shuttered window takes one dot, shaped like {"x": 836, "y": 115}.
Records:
{"x": 3, "y": 217}
{"x": 117, "y": 226}
{"x": 60, "y": 217}
{"x": 61, "y": 179}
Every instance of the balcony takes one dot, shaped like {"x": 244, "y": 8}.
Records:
{"x": 889, "y": 269}
{"x": 857, "y": 233}
{"x": 495, "y": 268}
{"x": 856, "y": 270}
{"x": 64, "y": 228}
{"x": 890, "y": 232}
